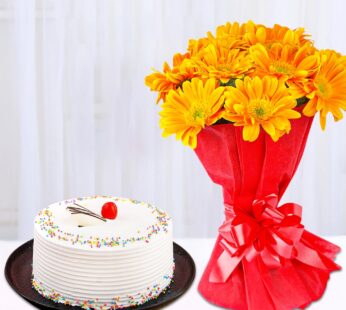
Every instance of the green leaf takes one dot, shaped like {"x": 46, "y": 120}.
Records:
{"x": 222, "y": 121}
{"x": 302, "y": 100}
{"x": 230, "y": 82}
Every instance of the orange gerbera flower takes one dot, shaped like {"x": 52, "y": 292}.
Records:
{"x": 256, "y": 103}
{"x": 230, "y": 29}
{"x": 250, "y": 34}
{"x": 170, "y": 78}
{"x": 216, "y": 61}
{"x": 289, "y": 64}
{"x": 195, "y": 46}
{"x": 328, "y": 89}
{"x": 231, "y": 35}
{"x": 278, "y": 34}
{"x": 189, "y": 109}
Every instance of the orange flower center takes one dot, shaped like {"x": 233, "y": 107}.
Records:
{"x": 283, "y": 67}
{"x": 324, "y": 89}
{"x": 259, "y": 109}
{"x": 196, "y": 114}
{"x": 223, "y": 67}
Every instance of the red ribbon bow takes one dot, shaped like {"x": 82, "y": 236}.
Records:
{"x": 271, "y": 233}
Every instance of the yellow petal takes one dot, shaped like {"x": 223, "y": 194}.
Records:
{"x": 269, "y": 128}
{"x": 322, "y": 121}
{"x": 290, "y": 114}
{"x": 237, "y": 95}
{"x": 261, "y": 34}
{"x": 238, "y": 108}
{"x": 337, "y": 114}
{"x": 258, "y": 88}
{"x": 280, "y": 123}
{"x": 251, "y": 132}
{"x": 308, "y": 63}
{"x": 310, "y": 108}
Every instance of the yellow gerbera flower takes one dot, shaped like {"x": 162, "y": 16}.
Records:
{"x": 216, "y": 61}
{"x": 189, "y": 109}
{"x": 231, "y": 35}
{"x": 289, "y": 64}
{"x": 230, "y": 29}
{"x": 328, "y": 89}
{"x": 256, "y": 103}
{"x": 170, "y": 78}
{"x": 249, "y": 33}
{"x": 277, "y": 34}
{"x": 195, "y": 46}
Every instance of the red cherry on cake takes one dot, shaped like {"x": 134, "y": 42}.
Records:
{"x": 109, "y": 210}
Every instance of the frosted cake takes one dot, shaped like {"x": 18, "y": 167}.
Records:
{"x": 95, "y": 257}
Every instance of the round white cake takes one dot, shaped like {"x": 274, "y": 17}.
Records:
{"x": 81, "y": 258}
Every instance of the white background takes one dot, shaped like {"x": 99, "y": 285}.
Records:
{"x": 76, "y": 118}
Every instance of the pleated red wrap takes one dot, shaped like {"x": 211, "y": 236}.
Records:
{"x": 263, "y": 257}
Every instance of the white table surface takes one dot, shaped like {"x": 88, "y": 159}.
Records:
{"x": 200, "y": 249}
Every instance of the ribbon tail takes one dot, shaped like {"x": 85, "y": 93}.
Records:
{"x": 328, "y": 249}
{"x": 312, "y": 258}
{"x": 224, "y": 267}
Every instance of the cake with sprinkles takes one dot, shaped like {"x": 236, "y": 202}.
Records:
{"x": 102, "y": 252}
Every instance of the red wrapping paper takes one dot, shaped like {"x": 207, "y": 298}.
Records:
{"x": 250, "y": 171}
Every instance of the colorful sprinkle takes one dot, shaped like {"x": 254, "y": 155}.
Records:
{"x": 45, "y": 219}
{"x": 117, "y": 302}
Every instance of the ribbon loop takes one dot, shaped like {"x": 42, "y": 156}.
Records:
{"x": 270, "y": 233}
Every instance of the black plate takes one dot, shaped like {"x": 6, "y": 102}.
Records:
{"x": 18, "y": 271}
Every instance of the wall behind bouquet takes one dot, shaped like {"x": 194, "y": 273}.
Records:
{"x": 76, "y": 118}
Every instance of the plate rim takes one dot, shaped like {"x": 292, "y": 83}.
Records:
{"x": 26, "y": 246}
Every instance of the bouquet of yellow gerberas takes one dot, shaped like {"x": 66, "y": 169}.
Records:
{"x": 252, "y": 76}
{"x": 245, "y": 99}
